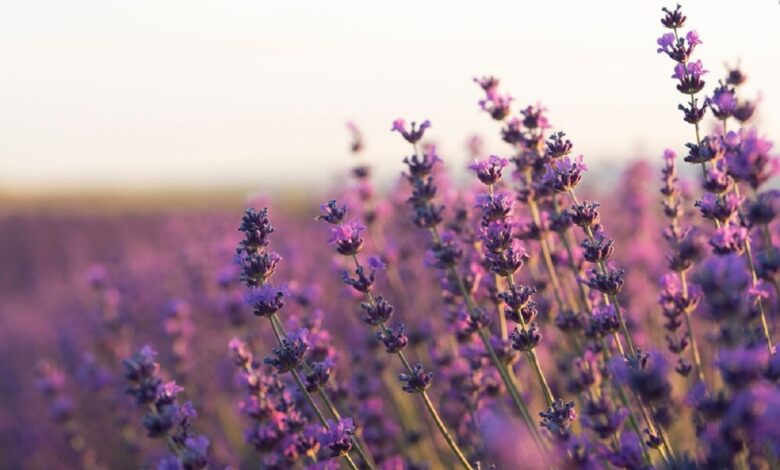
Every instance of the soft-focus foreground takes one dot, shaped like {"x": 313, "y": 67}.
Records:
{"x": 522, "y": 321}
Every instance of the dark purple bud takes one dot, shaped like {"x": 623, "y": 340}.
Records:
{"x": 599, "y": 250}
{"x": 337, "y": 438}
{"x": 417, "y": 380}
{"x": 394, "y": 338}
{"x": 378, "y": 312}
{"x": 289, "y": 355}
{"x": 673, "y": 19}
{"x": 332, "y": 213}
{"x": 413, "y": 135}
{"x": 526, "y": 340}
{"x": 318, "y": 375}
{"x": 266, "y": 299}
{"x": 557, "y": 147}
{"x": 558, "y": 418}
{"x": 610, "y": 283}
{"x": 584, "y": 214}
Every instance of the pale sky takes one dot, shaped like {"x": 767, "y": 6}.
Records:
{"x": 148, "y": 93}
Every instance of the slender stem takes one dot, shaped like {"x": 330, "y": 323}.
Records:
{"x": 431, "y": 409}
{"x": 360, "y": 447}
{"x": 689, "y": 324}
{"x": 759, "y": 301}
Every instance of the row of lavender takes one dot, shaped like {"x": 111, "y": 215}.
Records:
{"x": 513, "y": 324}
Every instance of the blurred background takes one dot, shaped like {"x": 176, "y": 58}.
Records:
{"x": 162, "y": 97}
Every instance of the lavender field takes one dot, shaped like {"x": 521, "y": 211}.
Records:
{"x": 535, "y": 315}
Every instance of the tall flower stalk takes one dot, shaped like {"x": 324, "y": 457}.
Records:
{"x": 348, "y": 241}
{"x": 257, "y": 265}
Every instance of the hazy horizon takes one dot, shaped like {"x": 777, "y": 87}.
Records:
{"x": 108, "y": 94}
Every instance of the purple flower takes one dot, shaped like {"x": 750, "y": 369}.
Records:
{"x": 689, "y": 77}
{"x": 394, "y": 338}
{"x": 584, "y": 214}
{"x": 709, "y": 149}
{"x": 256, "y": 228}
{"x": 376, "y": 313}
{"x": 414, "y": 134}
{"x": 347, "y": 238}
{"x": 337, "y": 437}
{"x": 332, "y": 213}
{"x": 498, "y": 106}
{"x": 673, "y": 19}
{"x": 557, "y": 147}
{"x": 495, "y": 207}
{"x": 257, "y": 266}
{"x": 721, "y": 208}
{"x": 489, "y": 171}
{"x": 266, "y": 299}
{"x": 729, "y": 239}
{"x": 489, "y": 85}
{"x": 319, "y": 374}
{"x": 417, "y": 380}
{"x": 558, "y": 418}
{"x": 564, "y": 174}
{"x": 723, "y": 102}
{"x": 509, "y": 261}
{"x": 609, "y": 283}
{"x": 742, "y": 366}
{"x": 526, "y": 340}
{"x": 496, "y": 236}
{"x": 749, "y": 158}
{"x": 420, "y": 167}
{"x": 598, "y": 250}
{"x": 289, "y": 355}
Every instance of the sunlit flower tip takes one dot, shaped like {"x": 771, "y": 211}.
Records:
{"x": 394, "y": 338}
{"x": 337, "y": 437}
{"x": 673, "y": 19}
{"x": 416, "y": 381}
{"x": 526, "y": 340}
{"x": 347, "y": 238}
{"x": 266, "y": 299}
{"x": 415, "y": 134}
{"x": 289, "y": 355}
{"x": 489, "y": 171}
{"x": 332, "y": 213}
